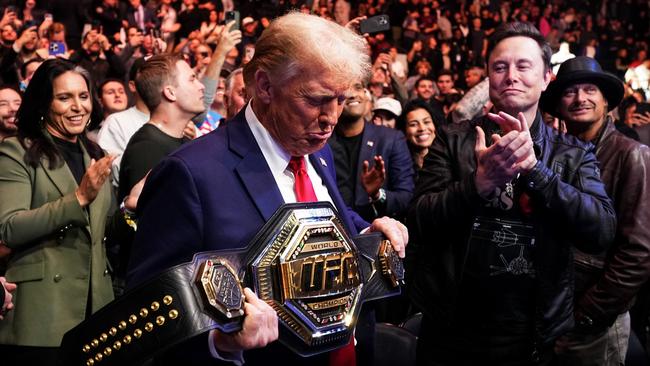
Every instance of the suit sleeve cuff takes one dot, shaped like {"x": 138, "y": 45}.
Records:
{"x": 78, "y": 214}
{"x": 539, "y": 177}
{"x": 235, "y": 357}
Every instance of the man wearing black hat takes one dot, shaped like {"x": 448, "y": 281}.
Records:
{"x": 606, "y": 283}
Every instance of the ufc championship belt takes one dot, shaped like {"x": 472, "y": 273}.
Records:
{"x": 302, "y": 263}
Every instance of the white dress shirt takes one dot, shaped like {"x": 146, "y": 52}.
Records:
{"x": 278, "y": 161}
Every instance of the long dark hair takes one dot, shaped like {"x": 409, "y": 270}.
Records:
{"x": 33, "y": 112}
{"x": 410, "y": 107}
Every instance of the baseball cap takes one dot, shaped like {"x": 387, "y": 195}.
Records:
{"x": 388, "y": 104}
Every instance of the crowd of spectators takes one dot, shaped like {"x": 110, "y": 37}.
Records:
{"x": 445, "y": 41}
{"x": 440, "y": 39}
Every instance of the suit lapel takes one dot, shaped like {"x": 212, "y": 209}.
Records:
{"x": 253, "y": 169}
{"x": 61, "y": 176}
{"x": 320, "y": 165}
{"x": 63, "y": 179}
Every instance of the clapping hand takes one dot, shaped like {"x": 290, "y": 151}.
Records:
{"x": 373, "y": 178}
{"x": 509, "y": 155}
{"x": 94, "y": 179}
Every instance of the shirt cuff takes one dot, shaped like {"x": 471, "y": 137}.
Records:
{"x": 235, "y": 357}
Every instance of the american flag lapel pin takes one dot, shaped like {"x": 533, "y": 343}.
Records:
{"x": 370, "y": 143}
{"x": 323, "y": 162}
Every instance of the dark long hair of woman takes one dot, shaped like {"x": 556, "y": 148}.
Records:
{"x": 36, "y": 103}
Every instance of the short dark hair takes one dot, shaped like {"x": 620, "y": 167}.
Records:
{"x": 521, "y": 29}
{"x": 12, "y": 87}
{"x": 100, "y": 90}
{"x": 23, "y": 67}
{"x": 153, "y": 75}
{"x": 445, "y": 72}
{"x": 425, "y": 77}
{"x": 626, "y": 104}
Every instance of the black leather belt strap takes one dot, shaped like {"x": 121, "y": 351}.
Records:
{"x": 150, "y": 318}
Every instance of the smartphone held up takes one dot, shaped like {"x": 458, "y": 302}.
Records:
{"x": 232, "y": 16}
{"x": 376, "y": 24}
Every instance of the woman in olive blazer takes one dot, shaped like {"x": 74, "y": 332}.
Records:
{"x": 54, "y": 200}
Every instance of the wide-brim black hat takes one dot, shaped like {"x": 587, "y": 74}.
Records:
{"x": 580, "y": 70}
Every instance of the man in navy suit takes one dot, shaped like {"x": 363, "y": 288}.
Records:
{"x": 374, "y": 169}
{"x": 218, "y": 191}
{"x": 141, "y": 16}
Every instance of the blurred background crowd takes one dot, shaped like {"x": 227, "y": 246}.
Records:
{"x": 446, "y": 41}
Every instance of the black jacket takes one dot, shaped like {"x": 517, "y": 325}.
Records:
{"x": 570, "y": 208}
{"x": 389, "y": 144}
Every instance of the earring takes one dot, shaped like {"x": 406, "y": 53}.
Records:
{"x": 42, "y": 121}
{"x": 88, "y": 123}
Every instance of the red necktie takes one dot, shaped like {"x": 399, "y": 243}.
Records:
{"x": 305, "y": 193}
{"x": 303, "y": 187}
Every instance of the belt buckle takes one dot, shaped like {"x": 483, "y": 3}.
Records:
{"x": 316, "y": 277}
{"x": 220, "y": 287}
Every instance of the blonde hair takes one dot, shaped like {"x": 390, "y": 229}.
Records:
{"x": 298, "y": 44}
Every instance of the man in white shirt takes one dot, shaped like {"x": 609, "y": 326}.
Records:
{"x": 118, "y": 128}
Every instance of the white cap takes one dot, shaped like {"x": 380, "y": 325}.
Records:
{"x": 388, "y": 104}
{"x": 246, "y": 21}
